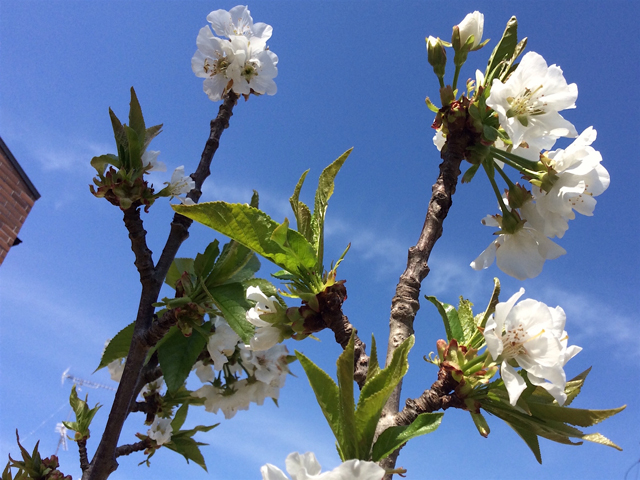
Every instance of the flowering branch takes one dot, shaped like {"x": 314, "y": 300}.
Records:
{"x": 405, "y": 303}
{"x": 146, "y": 333}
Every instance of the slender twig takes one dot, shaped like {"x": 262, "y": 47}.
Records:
{"x": 84, "y": 459}
{"x": 134, "y": 447}
{"x": 405, "y": 303}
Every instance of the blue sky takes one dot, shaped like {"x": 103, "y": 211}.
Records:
{"x": 351, "y": 74}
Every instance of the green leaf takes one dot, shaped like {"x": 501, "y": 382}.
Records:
{"x": 177, "y": 268}
{"x": 470, "y": 173}
{"x": 279, "y": 235}
{"x": 490, "y": 133}
{"x": 177, "y": 356}
{"x": 530, "y": 438}
{"x": 350, "y": 445}
{"x": 323, "y": 194}
{"x": 573, "y": 416}
{"x": 394, "y": 437}
{"x": 374, "y": 367}
{"x": 188, "y": 448}
{"x": 327, "y": 395}
{"x": 301, "y": 211}
{"x": 450, "y": 319}
{"x": 136, "y": 121}
{"x": 374, "y": 395}
{"x": 253, "y": 228}
{"x": 118, "y": 346}
{"x": 467, "y": 322}
{"x": 200, "y": 428}
{"x": 121, "y": 140}
{"x": 231, "y": 301}
{"x": 100, "y": 163}
{"x": 504, "y": 49}
{"x": 150, "y": 134}
{"x": 573, "y": 386}
{"x": 135, "y": 148}
{"x": 255, "y": 199}
{"x": 236, "y": 263}
{"x": 84, "y": 415}
{"x": 204, "y": 261}
{"x": 180, "y": 417}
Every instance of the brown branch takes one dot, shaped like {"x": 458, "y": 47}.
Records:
{"x": 84, "y": 459}
{"x": 134, "y": 447}
{"x": 330, "y": 302}
{"x": 405, "y": 303}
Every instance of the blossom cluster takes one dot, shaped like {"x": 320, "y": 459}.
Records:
{"x": 241, "y": 61}
{"x": 527, "y": 103}
{"x": 230, "y": 358}
{"x": 532, "y": 335}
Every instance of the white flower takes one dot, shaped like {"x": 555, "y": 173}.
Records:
{"x": 149, "y": 158}
{"x": 580, "y": 178}
{"x": 529, "y": 102}
{"x": 532, "y": 334}
{"x": 222, "y": 343}
{"x": 116, "y": 368}
{"x": 226, "y": 400}
{"x": 238, "y": 21}
{"x": 521, "y": 254}
{"x": 160, "y": 430}
{"x": 271, "y": 364}
{"x": 306, "y": 467}
{"x": 473, "y": 24}
{"x": 242, "y": 63}
{"x": 204, "y": 372}
{"x": 266, "y": 335}
{"x": 180, "y": 183}
{"x": 155, "y": 385}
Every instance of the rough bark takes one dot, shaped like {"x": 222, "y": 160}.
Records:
{"x": 405, "y": 303}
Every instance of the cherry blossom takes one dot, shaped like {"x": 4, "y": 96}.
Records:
{"x": 306, "y": 467}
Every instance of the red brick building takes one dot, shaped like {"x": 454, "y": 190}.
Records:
{"x": 17, "y": 195}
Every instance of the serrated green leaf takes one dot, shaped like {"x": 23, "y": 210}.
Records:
{"x": 573, "y": 386}
{"x": 374, "y": 395}
{"x": 279, "y": 235}
{"x": 601, "y": 439}
{"x": 188, "y": 448}
{"x": 177, "y": 268}
{"x": 236, "y": 263}
{"x": 530, "y": 438}
{"x": 450, "y": 319}
{"x": 327, "y": 395}
{"x": 100, "y": 163}
{"x": 467, "y": 322}
{"x": 121, "y": 140}
{"x": 350, "y": 446}
{"x": 301, "y": 211}
{"x": 178, "y": 354}
{"x": 504, "y": 49}
{"x": 204, "y": 261}
{"x": 394, "y": 437}
{"x": 323, "y": 194}
{"x": 136, "y": 120}
{"x": 150, "y": 134}
{"x": 179, "y": 417}
{"x": 231, "y": 301}
{"x": 573, "y": 416}
{"x": 253, "y": 228}
{"x": 200, "y": 428}
{"x": 374, "y": 367}
{"x": 118, "y": 346}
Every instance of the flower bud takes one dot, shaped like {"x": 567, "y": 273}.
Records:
{"x": 437, "y": 56}
{"x": 472, "y": 25}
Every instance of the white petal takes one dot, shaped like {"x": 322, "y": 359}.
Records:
{"x": 302, "y": 466}
{"x": 271, "y": 472}
{"x": 513, "y": 382}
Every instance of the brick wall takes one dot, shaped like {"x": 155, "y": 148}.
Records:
{"x": 17, "y": 196}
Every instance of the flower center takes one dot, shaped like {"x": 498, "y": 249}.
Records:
{"x": 526, "y": 104}
{"x": 214, "y": 67}
{"x": 515, "y": 339}
{"x": 249, "y": 71}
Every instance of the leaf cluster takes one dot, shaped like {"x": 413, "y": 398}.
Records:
{"x": 354, "y": 425}
{"x": 84, "y": 415}
{"x": 33, "y": 466}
